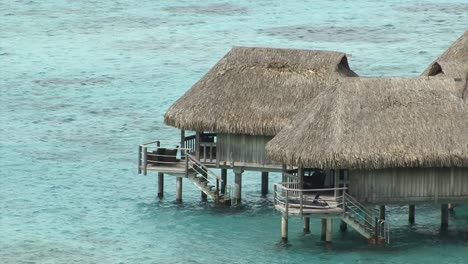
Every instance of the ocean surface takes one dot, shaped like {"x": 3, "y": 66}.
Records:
{"x": 82, "y": 83}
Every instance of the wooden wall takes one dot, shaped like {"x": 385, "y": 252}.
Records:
{"x": 403, "y": 185}
{"x": 242, "y": 148}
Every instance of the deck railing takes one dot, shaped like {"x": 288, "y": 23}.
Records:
{"x": 153, "y": 154}
{"x": 189, "y": 143}
{"x": 207, "y": 152}
{"x": 286, "y": 195}
{"x": 207, "y": 146}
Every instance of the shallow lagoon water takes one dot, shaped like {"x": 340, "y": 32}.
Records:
{"x": 84, "y": 82}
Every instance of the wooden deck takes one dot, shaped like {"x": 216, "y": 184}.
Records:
{"x": 252, "y": 166}
{"x": 308, "y": 208}
{"x": 176, "y": 169}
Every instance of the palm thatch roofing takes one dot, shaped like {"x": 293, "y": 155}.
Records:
{"x": 453, "y": 62}
{"x": 256, "y": 91}
{"x": 375, "y": 123}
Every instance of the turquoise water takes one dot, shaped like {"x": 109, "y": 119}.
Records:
{"x": 84, "y": 82}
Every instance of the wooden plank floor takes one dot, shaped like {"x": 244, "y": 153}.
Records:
{"x": 177, "y": 168}
{"x": 309, "y": 209}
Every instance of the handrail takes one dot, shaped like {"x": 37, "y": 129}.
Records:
{"x": 207, "y": 174}
{"x": 156, "y": 141}
{"x": 361, "y": 213}
{"x": 368, "y": 217}
{"x": 308, "y": 190}
{"x": 285, "y": 196}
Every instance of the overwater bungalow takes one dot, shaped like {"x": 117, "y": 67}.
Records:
{"x": 230, "y": 114}
{"x": 343, "y": 144}
{"x": 391, "y": 141}
{"x": 453, "y": 62}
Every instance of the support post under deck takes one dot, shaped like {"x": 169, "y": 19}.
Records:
{"x": 411, "y": 213}
{"x": 328, "y": 236}
{"x": 382, "y": 212}
{"x": 238, "y": 185}
{"x": 224, "y": 181}
{"x": 343, "y": 226}
{"x": 284, "y": 227}
{"x": 160, "y": 185}
{"x": 306, "y": 225}
{"x": 324, "y": 228}
{"x": 444, "y": 216}
{"x": 264, "y": 182}
{"x": 179, "y": 189}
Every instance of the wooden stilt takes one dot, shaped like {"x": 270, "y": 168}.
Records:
{"x": 382, "y": 212}
{"x": 343, "y": 226}
{"x": 179, "y": 189}
{"x": 411, "y": 213}
{"x": 160, "y": 185}
{"x": 238, "y": 185}
{"x": 328, "y": 236}
{"x": 224, "y": 180}
{"x": 264, "y": 182}
{"x": 284, "y": 227}
{"x": 444, "y": 216}
{"x": 306, "y": 225}
{"x": 324, "y": 228}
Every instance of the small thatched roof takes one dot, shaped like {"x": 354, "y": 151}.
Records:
{"x": 256, "y": 91}
{"x": 374, "y": 123}
{"x": 453, "y": 62}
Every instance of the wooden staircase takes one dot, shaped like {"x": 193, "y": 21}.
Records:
{"x": 364, "y": 221}
{"x": 207, "y": 181}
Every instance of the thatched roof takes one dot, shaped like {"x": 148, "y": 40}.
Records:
{"x": 256, "y": 91}
{"x": 374, "y": 123}
{"x": 453, "y": 62}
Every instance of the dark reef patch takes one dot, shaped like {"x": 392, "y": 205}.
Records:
{"x": 385, "y": 34}
{"x": 449, "y": 8}
{"x": 73, "y": 81}
{"x": 213, "y": 9}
